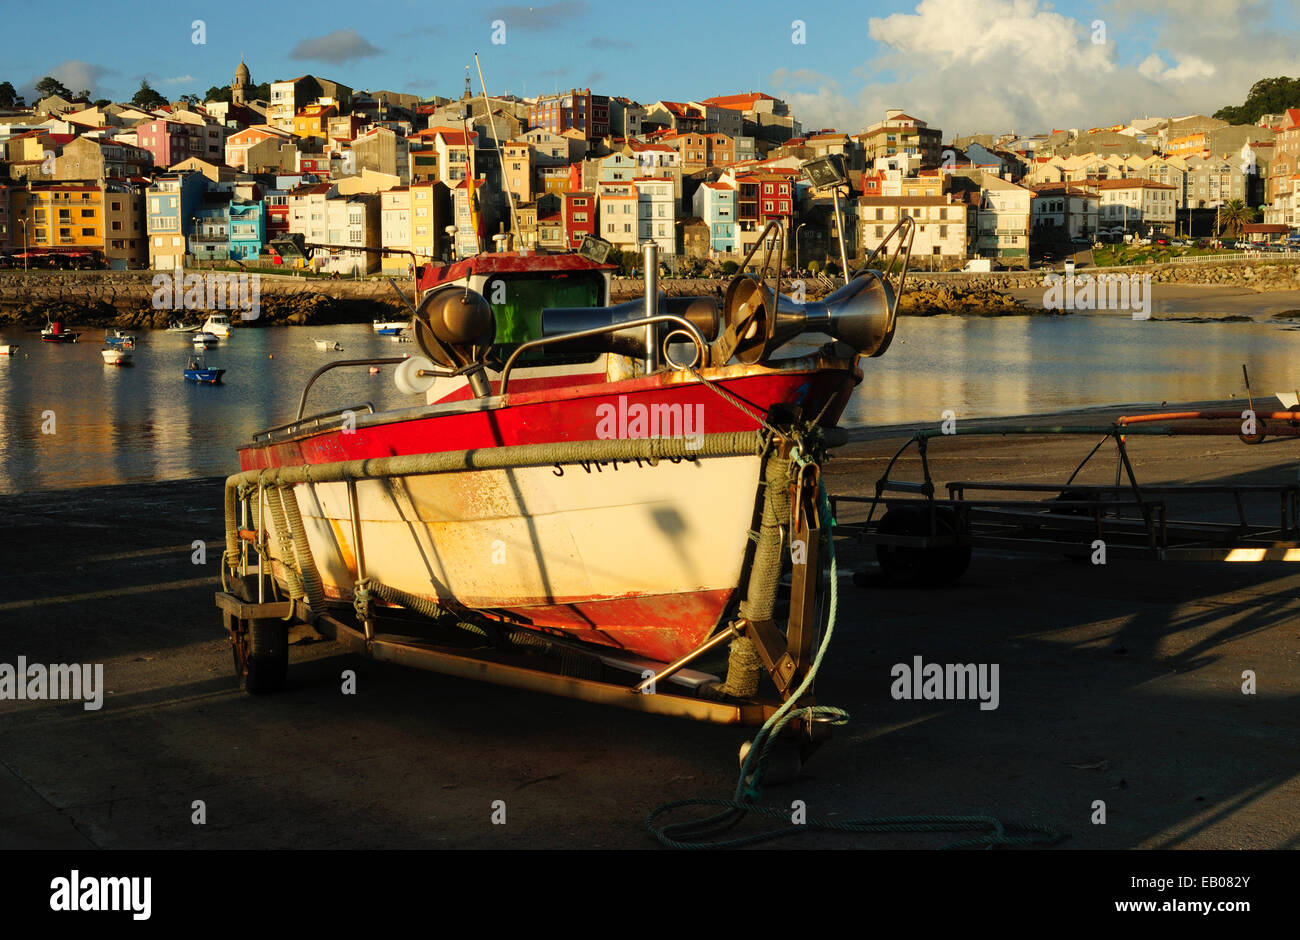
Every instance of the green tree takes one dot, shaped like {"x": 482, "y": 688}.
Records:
{"x": 8, "y": 97}
{"x": 1266, "y": 96}
{"x": 729, "y": 268}
{"x": 147, "y": 98}
{"x": 102, "y": 102}
{"x": 50, "y": 85}
{"x": 1233, "y": 216}
{"x": 217, "y": 93}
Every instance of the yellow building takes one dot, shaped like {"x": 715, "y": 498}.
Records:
{"x": 313, "y": 120}
{"x": 430, "y": 215}
{"x": 71, "y": 217}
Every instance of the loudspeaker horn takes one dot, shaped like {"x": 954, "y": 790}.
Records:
{"x": 861, "y": 313}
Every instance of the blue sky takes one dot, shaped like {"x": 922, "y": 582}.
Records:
{"x": 965, "y": 65}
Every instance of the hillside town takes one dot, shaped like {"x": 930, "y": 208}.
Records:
{"x": 326, "y": 178}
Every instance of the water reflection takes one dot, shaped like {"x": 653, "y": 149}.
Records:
{"x": 146, "y": 423}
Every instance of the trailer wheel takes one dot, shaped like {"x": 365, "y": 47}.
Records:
{"x": 261, "y": 648}
{"x": 922, "y": 567}
{"x": 1257, "y": 437}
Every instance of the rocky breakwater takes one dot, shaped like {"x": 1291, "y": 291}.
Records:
{"x": 152, "y": 300}
{"x": 921, "y": 297}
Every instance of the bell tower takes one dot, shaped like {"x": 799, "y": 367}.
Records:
{"x": 239, "y": 87}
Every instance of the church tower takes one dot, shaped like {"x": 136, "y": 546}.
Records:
{"x": 239, "y": 87}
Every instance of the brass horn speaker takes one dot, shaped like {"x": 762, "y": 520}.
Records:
{"x": 861, "y": 313}
{"x": 455, "y": 327}
{"x": 701, "y": 312}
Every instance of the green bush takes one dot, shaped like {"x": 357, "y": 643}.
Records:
{"x": 729, "y": 268}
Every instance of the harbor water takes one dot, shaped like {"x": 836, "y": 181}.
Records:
{"x": 70, "y": 420}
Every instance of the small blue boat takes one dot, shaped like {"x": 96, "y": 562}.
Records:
{"x": 118, "y": 339}
{"x": 198, "y": 372}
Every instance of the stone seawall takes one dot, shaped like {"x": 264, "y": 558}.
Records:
{"x": 127, "y": 299}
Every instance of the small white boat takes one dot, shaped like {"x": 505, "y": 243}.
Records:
{"x": 117, "y": 357}
{"x": 328, "y": 345}
{"x": 9, "y": 349}
{"x": 206, "y": 340}
{"x": 218, "y": 323}
{"x": 184, "y": 328}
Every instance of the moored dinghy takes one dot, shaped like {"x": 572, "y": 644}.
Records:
{"x": 117, "y": 357}
{"x": 9, "y": 349}
{"x": 198, "y": 371}
{"x": 55, "y": 333}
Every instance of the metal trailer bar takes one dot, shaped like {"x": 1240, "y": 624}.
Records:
{"x": 941, "y": 526}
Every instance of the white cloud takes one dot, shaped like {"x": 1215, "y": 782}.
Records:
{"x": 180, "y": 80}
{"x": 970, "y": 66}
{"x": 342, "y": 45}
{"x": 75, "y": 74}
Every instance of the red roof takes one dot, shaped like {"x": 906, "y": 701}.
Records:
{"x": 737, "y": 102}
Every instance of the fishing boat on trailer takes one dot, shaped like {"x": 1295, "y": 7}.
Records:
{"x": 197, "y": 371}
{"x": 616, "y": 485}
{"x": 117, "y": 357}
{"x": 55, "y": 333}
{"x": 642, "y": 556}
{"x": 217, "y": 323}
{"x": 389, "y": 327}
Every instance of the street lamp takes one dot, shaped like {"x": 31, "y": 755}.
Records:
{"x": 451, "y": 231}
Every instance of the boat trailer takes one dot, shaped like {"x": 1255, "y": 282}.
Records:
{"x": 390, "y": 625}
{"x": 923, "y": 539}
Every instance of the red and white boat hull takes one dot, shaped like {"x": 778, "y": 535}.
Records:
{"x": 632, "y": 555}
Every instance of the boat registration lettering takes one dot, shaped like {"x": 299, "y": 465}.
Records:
{"x": 598, "y": 466}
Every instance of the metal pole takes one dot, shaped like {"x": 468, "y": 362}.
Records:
{"x": 839, "y": 228}
{"x": 651, "y": 260}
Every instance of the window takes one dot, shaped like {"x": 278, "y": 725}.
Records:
{"x": 87, "y": 233}
{"x": 767, "y": 205}
{"x": 880, "y": 214}
{"x": 87, "y": 213}
{"x": 176, "y": 241}
{"x": 627, "y": 226}
{"x": 880, "y": 231}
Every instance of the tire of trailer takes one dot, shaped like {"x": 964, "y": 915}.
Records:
{"x": 921, "y": 567}
{"x": 262, "y": 656}
{"x": 1257, "y": 437}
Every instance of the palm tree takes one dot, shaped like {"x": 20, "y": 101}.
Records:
{"x": 1233, "y": 216}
